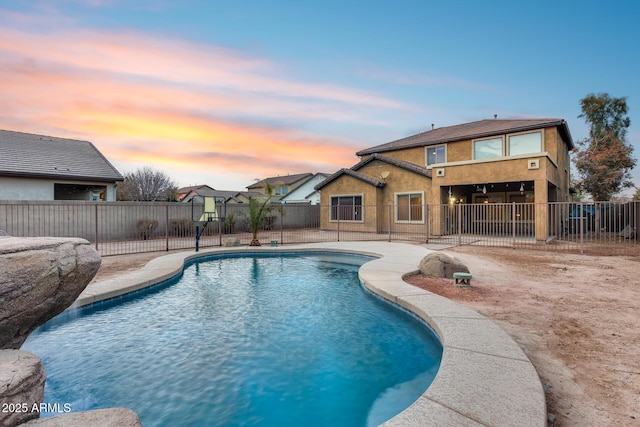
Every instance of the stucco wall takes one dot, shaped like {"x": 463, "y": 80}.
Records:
{"x": 562, "y": 159}
{"x": 397, "y": 181}
{"x": 12, "y": 188}
{"x": 25, "y": 189}
{"x": 379, "y": 203}
{"x": 350, "y": 186}
{"x": 459, "y": 151}
{"x": 498, "y": 170}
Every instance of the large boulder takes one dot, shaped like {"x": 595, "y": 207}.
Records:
{"x": 39, "y": 278}
{"x": 22, "y": 379}
{"x": 437, "y": 264}
{"x": 112, "y": 417}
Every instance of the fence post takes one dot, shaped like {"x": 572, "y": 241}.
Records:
{"x": 96, "y": 220}
{"x": 166, "y": 226}
{"x": 389, "y": 213}
{"x": 513, "y": 223}
{"x": 459, "y": 212}
{"x": 428, "y": 223}
{"x": 581, "y": 219}
{"x": 282, "y": 226}
{"x": 338, "y": 215}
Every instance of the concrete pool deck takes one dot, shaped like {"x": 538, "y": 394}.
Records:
{"x": 485, "y": 379}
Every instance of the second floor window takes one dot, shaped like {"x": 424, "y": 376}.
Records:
{"x": 436, "y": 155}
{"x": 525, "y": 143}
{"x": 487, "y": 148}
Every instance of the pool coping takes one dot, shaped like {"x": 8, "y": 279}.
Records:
{"x": 485, "y": 379}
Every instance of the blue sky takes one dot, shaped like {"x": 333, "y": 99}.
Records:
{"x": 221, "y": 93}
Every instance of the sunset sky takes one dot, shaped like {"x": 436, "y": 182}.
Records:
{"x": 224, "y": 92}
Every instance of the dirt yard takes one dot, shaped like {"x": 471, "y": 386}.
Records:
{"x": 576, "y": 317}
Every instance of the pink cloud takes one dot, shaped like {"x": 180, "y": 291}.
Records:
{"x": 177, "y": 62}
{"x": 175, "y": 104}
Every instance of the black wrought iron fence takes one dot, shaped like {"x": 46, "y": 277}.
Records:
{"x": 130, "y": 227}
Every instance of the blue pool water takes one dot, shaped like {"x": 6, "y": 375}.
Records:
{"x": 244, "y": 340}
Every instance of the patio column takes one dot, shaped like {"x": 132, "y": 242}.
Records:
{"x": 436, "y": 226}
{"x": 541, "y": 192}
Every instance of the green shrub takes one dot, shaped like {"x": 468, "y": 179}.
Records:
{"x": 145, "y": 227}
{"x": 181, "y": 227}
{"x": 229, "y": 224}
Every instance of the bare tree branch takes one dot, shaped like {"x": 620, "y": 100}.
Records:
{"x": 146, "y": 184}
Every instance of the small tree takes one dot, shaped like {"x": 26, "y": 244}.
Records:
{"x": 604, "y": 159}
{"x": 147, "y": 184}
{"x": 637, "y": 195}
{"x": 258, "y": 210}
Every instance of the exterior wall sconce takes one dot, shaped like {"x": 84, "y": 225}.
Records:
{"x": 484, "y": 189}
{"x": 521, "y": 188}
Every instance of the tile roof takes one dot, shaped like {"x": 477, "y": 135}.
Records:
{"x": 395, "y": 162}
{"x": 29, "y": 155}
{"x": 479, "y": 129}
{"x": 362, "y": 177}
{"x": 353, "y": 171}
{"x": 185, "y": 190}
{"x": 205, "y": 190}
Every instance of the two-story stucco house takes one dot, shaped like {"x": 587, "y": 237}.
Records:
{"x": 487, "y": 161}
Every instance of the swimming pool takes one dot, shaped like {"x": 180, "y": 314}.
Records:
{"x": 236, "y": 340}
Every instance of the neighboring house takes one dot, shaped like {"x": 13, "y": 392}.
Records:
{"x": 306, "y": 193}
{"x": 283, "y": 185}
{"x": 38, "y": 167}
{"x": 244, "y": 196}
{"x": 185, "y": 194}
{"x": 487, "y": 161}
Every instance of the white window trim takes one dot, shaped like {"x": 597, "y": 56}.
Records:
{"x": 426, "y": 156}
{"x": 361, "y": 195}
{"x": 542, "y": 145}
{"x": 473, "y": 146}
{"x": 404, "y": 193}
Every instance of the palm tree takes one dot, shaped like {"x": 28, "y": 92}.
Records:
{"x": 258, "y": 211}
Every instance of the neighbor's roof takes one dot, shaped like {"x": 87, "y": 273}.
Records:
{"x": 39, "y": 156}
{"x": 285, "y": 180}
{"x": 479, "y": 129}
{"x": 205, "y": 190}
{"x": 185, "y": 190}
